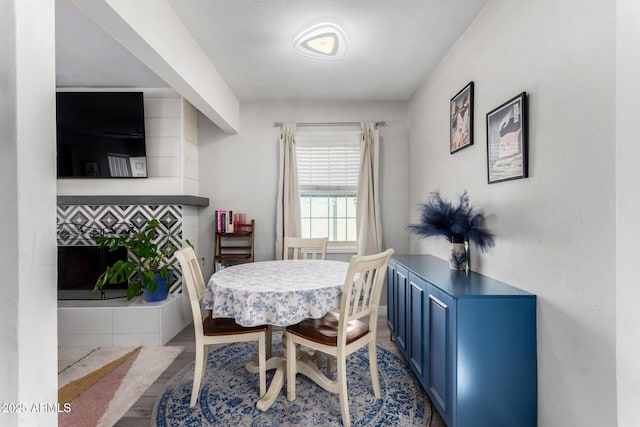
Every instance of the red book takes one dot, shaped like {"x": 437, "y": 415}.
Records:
{"x": 219, "y": 221}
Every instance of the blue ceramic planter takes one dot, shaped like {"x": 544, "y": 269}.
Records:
{"x": 161, "y": 293}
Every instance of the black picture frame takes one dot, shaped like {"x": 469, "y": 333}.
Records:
{"x": 507, "y": 140}
{"x": 461, "y": 119}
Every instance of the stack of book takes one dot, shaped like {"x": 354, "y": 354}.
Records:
{"x": 228, "y": 222}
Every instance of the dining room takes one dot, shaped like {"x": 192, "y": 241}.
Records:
{"x": 291, "y": 295}
{"x": 564, "y": 224}
{"x": 266, "y": 302}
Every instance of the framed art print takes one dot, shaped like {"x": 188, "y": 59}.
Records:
{"x": 461, "y": 119}
{"x": 507, "y": 140}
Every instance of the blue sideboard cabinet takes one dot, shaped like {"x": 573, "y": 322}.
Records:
{"x": 470, "y": 340}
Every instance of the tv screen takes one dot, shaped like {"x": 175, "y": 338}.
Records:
{"x": 100, "y": 135}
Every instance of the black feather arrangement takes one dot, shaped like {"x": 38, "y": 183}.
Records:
{"x": 458, "y": 224}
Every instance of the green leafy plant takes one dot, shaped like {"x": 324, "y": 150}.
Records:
{"x": 153, "y": 258}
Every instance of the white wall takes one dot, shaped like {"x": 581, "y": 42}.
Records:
{"x": 27, "y": 213}
{"x": 556, "y": 229}
{"x": 627, "y": 203}
{"x": 189, "y": 171}
{"x": 8, "y": 209}
{"x": 163, "y": 118}
{"x": 240, "y": 172}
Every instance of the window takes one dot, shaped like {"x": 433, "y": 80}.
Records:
{"x": 328, "y": 165}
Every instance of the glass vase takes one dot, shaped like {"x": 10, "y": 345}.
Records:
{"x": 458, "y": 256}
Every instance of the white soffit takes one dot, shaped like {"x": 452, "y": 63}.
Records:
{"x": 152, "y": 32}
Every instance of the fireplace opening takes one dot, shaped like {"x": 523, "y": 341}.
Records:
{"x": 80, "y": 266}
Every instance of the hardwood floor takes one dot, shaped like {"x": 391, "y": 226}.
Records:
{"x": 140, "y": 413}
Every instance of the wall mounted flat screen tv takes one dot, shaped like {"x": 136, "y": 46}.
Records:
{"x": 100, "y": 135}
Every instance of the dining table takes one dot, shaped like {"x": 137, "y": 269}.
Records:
{"x": 278, "y": 293}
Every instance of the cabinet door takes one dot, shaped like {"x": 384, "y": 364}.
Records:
{"x": 402, "y": 298}
{"x": 440, "y": 350}
{"x": 392, "y": 304}
{"x": 417, "y": 325}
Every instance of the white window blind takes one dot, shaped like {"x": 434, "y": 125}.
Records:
{"x": 328, "y": 166}
{"x": 328, "y": 162}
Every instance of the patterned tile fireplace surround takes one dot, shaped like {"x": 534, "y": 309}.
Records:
{"x": 77, "y": 224}
{"x": 117, "y": 322}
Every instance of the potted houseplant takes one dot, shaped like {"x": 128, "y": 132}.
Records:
{"x": 459, "y": 224}
{"x": 152, "y": 269}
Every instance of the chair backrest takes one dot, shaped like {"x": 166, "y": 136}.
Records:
{"x": 362, "y": 290}
{"x": 304, "y": 247}
{"x": 192, "y": 277}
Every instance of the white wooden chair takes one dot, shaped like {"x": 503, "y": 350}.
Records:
{"x": 342, "y": 335}
{"x": 214, "y": 331}
{"x": 303, "y": 248}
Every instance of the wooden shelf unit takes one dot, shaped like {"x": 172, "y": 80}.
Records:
{"x": 236, "y": 247}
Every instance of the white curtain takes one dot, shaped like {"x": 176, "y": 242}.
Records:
{"x": 288, "y": 207}
{"x": 368, "y": 226}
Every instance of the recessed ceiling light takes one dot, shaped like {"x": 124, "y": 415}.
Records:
{"x": 325, "y": 41}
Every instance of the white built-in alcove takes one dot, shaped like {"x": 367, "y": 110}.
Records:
{"x": 171, "y": 134}
{"x": 171, "y": 188}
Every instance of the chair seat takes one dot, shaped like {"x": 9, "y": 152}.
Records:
{"x": 227, "y": 326}
{"x": 325, "y": 330}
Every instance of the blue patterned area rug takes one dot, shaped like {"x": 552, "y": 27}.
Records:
{"x": 229, "y": 393}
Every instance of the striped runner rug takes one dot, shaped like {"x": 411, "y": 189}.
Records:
{"x": 99, "y": 385}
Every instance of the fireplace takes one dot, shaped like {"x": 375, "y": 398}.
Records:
{"x": 81, "y": 262}
{"x": 80, "y": 266}
{"x": 116, "y": 321}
